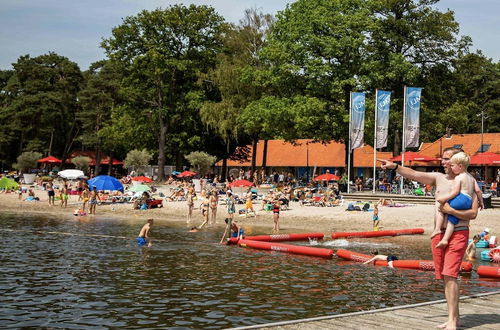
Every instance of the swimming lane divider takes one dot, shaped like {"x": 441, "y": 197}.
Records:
{"x": 488, "y": 271}
{"x": 410, "y": 264}
{"x": 280, "y": 237}
{"x": 287, "y": 248}
{"x": 360, "y": 234}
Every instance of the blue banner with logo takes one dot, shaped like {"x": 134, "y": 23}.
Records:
{"x": 412, "y": 122}
{"x": 383, "y": 107}
{"x": 357, "y": 120}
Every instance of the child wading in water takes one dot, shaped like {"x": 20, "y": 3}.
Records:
{"x": 144, "y": 234}
{"x": 459, "y": 198}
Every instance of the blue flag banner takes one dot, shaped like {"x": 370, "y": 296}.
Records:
{"x": 383, "y": 106}
{"x": 412, "y": 122}
{"x": 357, "y": 120}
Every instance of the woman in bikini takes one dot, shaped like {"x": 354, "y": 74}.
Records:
{"x": 214, "y": 201}
{"x": 190, "y": 204}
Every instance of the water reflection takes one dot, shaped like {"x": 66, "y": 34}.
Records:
{"x": 98, "y": 277}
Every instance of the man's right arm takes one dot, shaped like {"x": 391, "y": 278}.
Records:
{"x": 422, "y": 177}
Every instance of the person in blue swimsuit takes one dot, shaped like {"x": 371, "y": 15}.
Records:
{"x": 143, "y": 238}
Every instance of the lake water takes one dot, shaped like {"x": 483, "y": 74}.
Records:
{"x": 59, "y": 272}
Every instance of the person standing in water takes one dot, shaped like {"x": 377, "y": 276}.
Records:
{"x": 144, "y": 238}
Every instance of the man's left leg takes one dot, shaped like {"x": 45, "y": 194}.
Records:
{"x": 451, "y": 293}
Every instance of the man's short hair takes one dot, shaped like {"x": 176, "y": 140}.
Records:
{"x": 461, "y": 158}
{"x": 455, "y": 150}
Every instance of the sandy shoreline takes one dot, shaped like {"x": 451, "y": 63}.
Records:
{"x": 297, "y": 219}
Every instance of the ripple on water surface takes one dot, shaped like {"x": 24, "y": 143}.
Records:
{"x": 74, "y": 278}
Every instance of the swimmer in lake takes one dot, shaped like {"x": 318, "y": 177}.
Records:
{"x": 193, "y": 229}
{"x": 144, "y": 238}
{"x": 382, "y": 257}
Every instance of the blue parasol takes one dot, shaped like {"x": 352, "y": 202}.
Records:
{"x": 105, "y": 182}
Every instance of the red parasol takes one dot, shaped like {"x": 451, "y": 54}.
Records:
{"x": 241, "y": 183}
{"x": 186, "y": 174}
{"x": 485, "y": 158}
{"x": 413, "y": 156}
{"x": 327, "y": 177}
{"x": 142, "y": 179}
{"x": 49, "y": 160}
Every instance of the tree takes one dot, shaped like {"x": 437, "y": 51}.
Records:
{"x": 99, "y": 94}
{"x": 136, "y": 159}
{"x": 407, "y": 39}
{"x": 235, "y": 91}
{"x": 81, "y": 163}
{"x": 27, "y": 160}
{"x": 201, "y": 161}
{"x": 40, "y": 102}
{"x": 161, "y": 53}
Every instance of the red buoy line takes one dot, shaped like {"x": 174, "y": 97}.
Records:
{"x": 488, "y": 271}
{"x": 280, "y": 237}
{"x": 288, "y": 248}
{"x": 410, "y": 264}
{"x": 360, "y": 234}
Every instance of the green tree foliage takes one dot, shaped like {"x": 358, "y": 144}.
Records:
{"x": 201, "y": 161}
{"x": 161, "y": 53}
{"x": 82, "y": 163}
{"x": 27, "y": 160}
{"x": 99, "y": 94}
{"x": 137, "y": 158}
{"x": 40, "y": 104}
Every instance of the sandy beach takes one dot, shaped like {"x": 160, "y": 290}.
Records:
{"x": 298, "y": 218}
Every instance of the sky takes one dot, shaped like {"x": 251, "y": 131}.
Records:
{"x": 75, "y": 28}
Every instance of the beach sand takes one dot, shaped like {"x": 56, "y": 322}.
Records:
{"x": 297, "y": 219}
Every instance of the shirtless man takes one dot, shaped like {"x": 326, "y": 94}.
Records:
{"x": 447, "y": 260}
{"x": 93, "y": 201}
{"x": 144, "y": 234}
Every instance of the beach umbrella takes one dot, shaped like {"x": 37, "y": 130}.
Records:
{"x": 105, "y": 182}
{"x": 241, "y": 183}
{"x": 49, "y": 160}
{"x": 139, "y": 188}
{"x": 71, "y": 174}
{"x": 413, "y": 156}
{"x": 327, "y": 177}
{"x": 6, "y": 183}
{"x": 186, "y": 174}
{"x": 485, "y": 158}
{"x": 142, "y": 179}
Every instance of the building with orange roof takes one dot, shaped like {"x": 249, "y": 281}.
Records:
{"x": 297, "y": 157}
{"x": 472, "y": 144}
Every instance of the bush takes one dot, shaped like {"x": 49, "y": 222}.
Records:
{"x": 81, "y": 163}
{"x": 27, "y": 160}
{"x": 137, "y": 158}
{"x": 201, "y": 161}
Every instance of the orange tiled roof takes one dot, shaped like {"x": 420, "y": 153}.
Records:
{"x": 470, "y": 143}
{"x": 363, "y": 157}
{"x": 282, "y": 154}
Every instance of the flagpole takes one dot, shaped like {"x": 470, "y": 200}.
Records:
{"x": 349, "y": 146}
{"x": 404, "y": 140}
{"x": 375, "y": 141}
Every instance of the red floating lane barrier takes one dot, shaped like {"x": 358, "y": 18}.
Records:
{"x": 286, "y": 237}
{"x": 280, "y": 237}
{"x": 410, "y": 264}
{"x": 488, "y": 271}
{"x": 288, "y": 248}
{"x": 379, "y": 233}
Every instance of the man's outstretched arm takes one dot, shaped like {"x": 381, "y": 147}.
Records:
{"x": 422, "y": 177}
